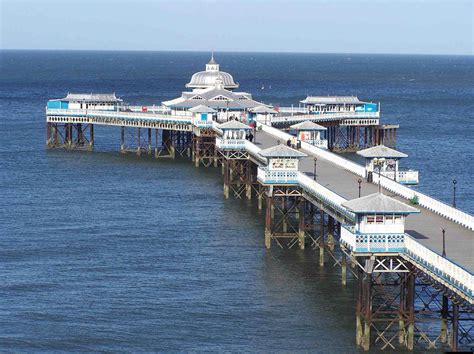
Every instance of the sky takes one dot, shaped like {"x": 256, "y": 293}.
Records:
{"x": 321, "y": 26}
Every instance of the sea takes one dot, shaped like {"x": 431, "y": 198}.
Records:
{"x": 101, "y": 251}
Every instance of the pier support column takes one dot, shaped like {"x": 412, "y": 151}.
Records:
{"x": 301, "y": 225}
{"x": 410, "y": 310}
{"x": 225, "y": 165}
{"x": 122, "y": 139}
{"x": 455, "y": 328}
{"x": 148, "y": 150}
{"x": 268, "y": 220}
{"x": 48, "y": 135}
{"x": 139, "y": 148}
{"x": 367, "y": 311}
{"x": 360, "y": 296}
{"x": 443, "y": 337}
{"x": 330, "y": 241}
{"x": 344, "y": 269}
{"x": 321, "y": 239}
{"x": 91, "y": 140}
{"x": 156, "y": 143}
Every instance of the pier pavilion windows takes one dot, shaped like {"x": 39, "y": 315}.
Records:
{"x": 376, "y": 214}
{"x": 282, "y": 167}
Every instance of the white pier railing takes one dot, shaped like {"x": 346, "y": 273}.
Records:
{"x": 233, "y": 144}
{"x": 440, "y": 266}
{"x": 424, "y": 200}
{"x": 326, "y": 117}
{"x": 266, "y": 176}
{"x": 409, "y": 177}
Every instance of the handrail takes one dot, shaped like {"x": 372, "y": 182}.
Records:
{"x": 441, "y": 266}
{"x": 424, "y": 200}
{"x": 126, "y": 115}
{"x": 326, "y": 116}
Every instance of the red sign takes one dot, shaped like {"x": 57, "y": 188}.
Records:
{"x": 144, "y": 109}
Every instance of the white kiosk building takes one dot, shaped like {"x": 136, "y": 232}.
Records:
{"x": 379, "y": 225}
{"x": 234, "y": 135}
{"x": 384, "y": 160}
{"x": 282, "y": 165}
{"x": 203, "y": 116}
{"x": 311, "y": 133}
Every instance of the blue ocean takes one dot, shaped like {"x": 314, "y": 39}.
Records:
{"x": 101, "y": 251}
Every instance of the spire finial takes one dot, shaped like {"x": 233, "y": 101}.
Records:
{"x": 212, "y": 61}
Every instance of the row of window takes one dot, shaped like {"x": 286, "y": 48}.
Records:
{"x": 383, "y": 219}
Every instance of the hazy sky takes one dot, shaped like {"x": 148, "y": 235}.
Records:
{"x": 371, "y": 26}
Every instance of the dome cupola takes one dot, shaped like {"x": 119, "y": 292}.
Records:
{"x": 208, "y": 78}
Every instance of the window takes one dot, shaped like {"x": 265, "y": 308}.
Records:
{"x": 379, "y": 219}
{"x": 220, "y": 98}
{"x": 370, "y": 219}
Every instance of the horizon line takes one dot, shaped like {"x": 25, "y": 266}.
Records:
{"x": 222, "y": 51}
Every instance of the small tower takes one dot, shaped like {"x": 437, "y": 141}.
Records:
{"x": 311, "y": 133}
{"x": 282, "y": 165}
{"x": 202, "y": 115}
{"x": 379, "y": 224}
{"x": 384, "y": 160}
{"x": 212, "y": 64}
{"x": 234, "y": 135}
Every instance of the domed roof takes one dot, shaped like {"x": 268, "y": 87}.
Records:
{"x": 208, "y": 78}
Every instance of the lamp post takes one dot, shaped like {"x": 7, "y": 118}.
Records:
{"x": 444, "y": 243}
{"x": 315, "y": 166}
{"x": 359, "y": 181}
{"x": 379, "y": 163}
{"x": 454, "y": 193}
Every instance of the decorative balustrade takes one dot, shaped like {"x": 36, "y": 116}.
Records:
{"x": 117, "y": 114}
{"x": 440, "y": 266}
{"x": 320, "y": 143}
{"x": 324, "y": 116}
{"x": 424, "y": 200}
{"x": 376, "y": 243}
{"x": 409, "y": 177}
{"x": 324, "y": 194}
{"x": 231, "y": 144}
{"x": 403, "y": 244}
{"x": 266, "y": 176}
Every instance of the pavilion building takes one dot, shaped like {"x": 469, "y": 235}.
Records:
{"x": 213, "y": 88}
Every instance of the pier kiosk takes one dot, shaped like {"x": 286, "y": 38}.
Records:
{"x": 285, "y": 206}
{"x": 234, "y": 135}
{"x": 379, "y": 224}
{"x": 384, "y": 160}
{"x": 202, "y": 115}
{"x": 262, "y": 114}
{"x": 282, "y": 165}
{"x": 375, "y": 244}
{"x": 311, "y": 133}
{"x": 236, "y": 165}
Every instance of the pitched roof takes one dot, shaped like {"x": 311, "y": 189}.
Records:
{"x": 308, "y": 125}
{"x": 202, "y": 109}
{"x": 331, "y": 100}
{"x": 262, "y": 109}
{"x": 94, "y": 97}
{"x": 381, "y": 151}
{"x": 281, "y": 151}
{"x": 378, "y": 203}
{"x": 234, "y": 124}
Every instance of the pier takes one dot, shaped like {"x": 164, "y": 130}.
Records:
{"x": 415, "y": 290}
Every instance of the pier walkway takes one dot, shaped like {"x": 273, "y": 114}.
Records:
{"x": 426, "y": 227}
